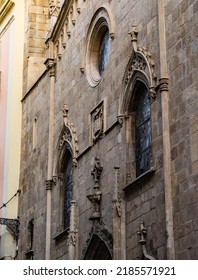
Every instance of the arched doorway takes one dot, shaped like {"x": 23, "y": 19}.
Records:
{"x": 97, "y": 249}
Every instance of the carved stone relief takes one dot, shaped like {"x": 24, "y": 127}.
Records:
{"x": 97, "y": 122}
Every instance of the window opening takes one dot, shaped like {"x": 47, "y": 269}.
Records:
{"x": 104, "y": 52}
{"x": 142, "y": 131}
{"x": 68, "y": 190}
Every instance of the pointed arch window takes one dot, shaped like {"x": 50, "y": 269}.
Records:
{"x": 68, "y": 188}
{"x": 142, "y": 129}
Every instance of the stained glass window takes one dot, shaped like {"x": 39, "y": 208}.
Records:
{"x": 142, "y": 131}
{"x": 68, "y": 190}
{"x": 103, "y": 52}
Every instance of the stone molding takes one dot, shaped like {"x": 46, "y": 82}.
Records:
{"x": 140, "y": 66}
{"x": 103, "y": 233}
{"x": 69, "y": 135}
{"x": 103, "y": 16}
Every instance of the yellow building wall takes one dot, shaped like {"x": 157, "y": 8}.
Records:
{"x": 12, "y": 25}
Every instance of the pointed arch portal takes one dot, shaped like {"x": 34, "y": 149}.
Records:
{"x": 97, "y": 249}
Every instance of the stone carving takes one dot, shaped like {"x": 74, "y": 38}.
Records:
{"x": 141, "y": 60}
{"x": 65, "y": 111}
{"x": 117, "y": 194}
{"x": 69, "y": 135}
{"x": 120, "y": 119}
{"x": 134, "y": 33}
{"x": 163, "y": 84}
{"x": 51, "y": 66}
{"x": 72, "y": 238}
{"x": 95, "y": 198}
{"x": 101, "y": 231}
{"x": 142, "y": 232}
{"x": 97, "y": 122}
{"x": 54, "y": 8}
{"x": 138, "y": 63}
{"x": 97, "y": 170}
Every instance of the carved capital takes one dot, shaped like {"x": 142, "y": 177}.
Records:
{"x": 120, "y": 120}
{"x": 65, "y": 111}
{"x": 152, "y": 93}
{"x": 50, "y": 64}
{"x": 48, "y": 184}
{"x": 134, "y": 33}
{"x": 163, "y": 84}
{"x": 55, "y": 179}
{"x": 74, "y": 162}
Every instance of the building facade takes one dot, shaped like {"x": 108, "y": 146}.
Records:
{"x": 11, "y": 72}
{"x": 109, "y": 161}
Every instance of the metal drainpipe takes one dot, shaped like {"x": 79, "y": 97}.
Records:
{"x": 164, "y": 89}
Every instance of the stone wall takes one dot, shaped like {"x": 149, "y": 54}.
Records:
{"x": 32, "y": 200}
{"x": 182, "y": 52}
{"x": 36, "y": 27}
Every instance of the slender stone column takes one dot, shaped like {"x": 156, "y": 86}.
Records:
{"x": 51, "y": 66}
{"x": 164, "y": 89}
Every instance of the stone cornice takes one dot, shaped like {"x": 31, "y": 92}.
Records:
{"x": 5, "y": 8}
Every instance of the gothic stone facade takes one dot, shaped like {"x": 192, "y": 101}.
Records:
{"x": 82, "y": 196}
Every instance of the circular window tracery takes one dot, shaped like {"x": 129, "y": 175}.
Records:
{"x": 100, "y": 33}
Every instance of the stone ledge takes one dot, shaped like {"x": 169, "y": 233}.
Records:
{"x": 62, "y": 234}
{"x": 139, "y": 179}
